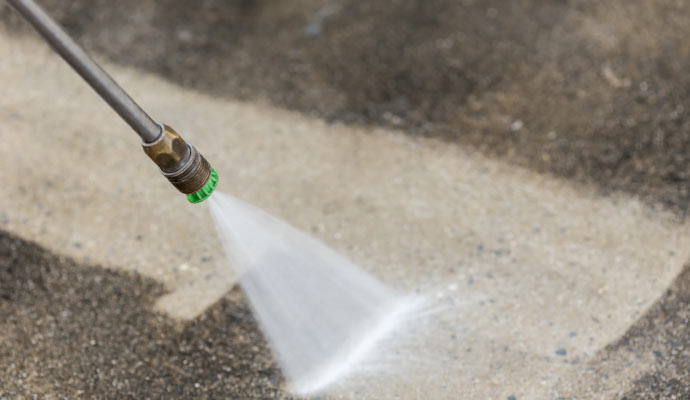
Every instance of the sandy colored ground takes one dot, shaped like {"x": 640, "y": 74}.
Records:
{"x": 541, "y": 273}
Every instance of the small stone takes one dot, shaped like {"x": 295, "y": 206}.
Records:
{"x": 312, "y": 30}
{"x": 517, "y": 125}
{"x": 184, "y": 36}
{"x": 561, "y": 352}
{"x": 511, "y": 397}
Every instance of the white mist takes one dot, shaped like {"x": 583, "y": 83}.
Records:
{"x": 320, "y": 313}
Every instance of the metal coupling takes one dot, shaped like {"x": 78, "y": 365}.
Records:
{"x": 179, "y": 161}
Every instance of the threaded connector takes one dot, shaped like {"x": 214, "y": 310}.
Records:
{"x": 182, "y": 164}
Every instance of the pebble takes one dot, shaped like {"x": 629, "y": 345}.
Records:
{"x": 561, "y": 352}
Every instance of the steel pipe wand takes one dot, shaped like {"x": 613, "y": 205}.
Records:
{"x": 179, "y": 161}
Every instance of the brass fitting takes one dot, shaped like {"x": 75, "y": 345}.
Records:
{"x": 179, "y": 161}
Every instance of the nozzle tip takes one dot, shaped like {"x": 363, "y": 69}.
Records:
{"x": 183, "y": 165}
{"x": 206, "y": 191}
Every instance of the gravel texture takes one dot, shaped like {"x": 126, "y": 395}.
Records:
{"x": 79, "y": 331}
{"x": 665, "y": 332}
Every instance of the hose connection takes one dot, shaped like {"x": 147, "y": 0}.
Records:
{"x": 182, "y": 164}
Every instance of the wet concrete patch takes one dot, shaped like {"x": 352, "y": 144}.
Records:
{"x": 70, "y": 330}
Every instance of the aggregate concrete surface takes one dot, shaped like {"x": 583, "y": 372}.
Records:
{"x": 559, "y": 276}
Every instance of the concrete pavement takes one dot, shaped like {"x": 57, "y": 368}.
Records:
{"x": 542, "y": 273}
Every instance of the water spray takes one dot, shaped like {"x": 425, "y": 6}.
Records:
{"x": 178, "y": 160}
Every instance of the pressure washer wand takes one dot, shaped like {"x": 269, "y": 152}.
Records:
{"x": 179, "y": 161}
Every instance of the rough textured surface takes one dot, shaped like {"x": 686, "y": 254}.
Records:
{"x": 652, "y": 360}
{"x": 590, "y": 91}
{"x": 82, "y": 332}
{"x": 665, "y": 332}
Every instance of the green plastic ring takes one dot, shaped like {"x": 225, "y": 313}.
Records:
{"x": 208, "y": 188}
